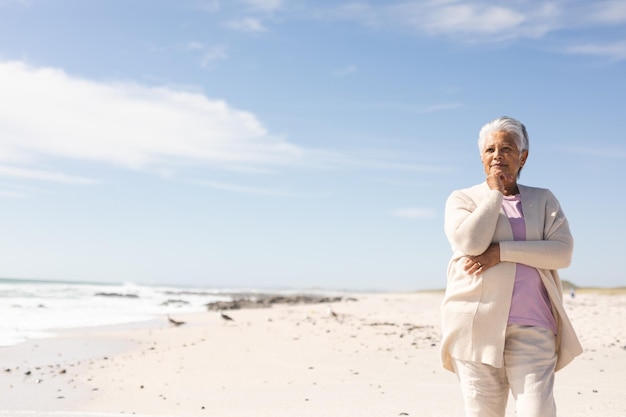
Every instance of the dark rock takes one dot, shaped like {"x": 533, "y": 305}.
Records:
{"x": 174, "y": 302}
{"x": 116, "y": 294}
{"x": 241, "y": 301}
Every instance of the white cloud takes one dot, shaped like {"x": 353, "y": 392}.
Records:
{"x": 469, "y": 18}
{"x": 414, "y": 213}
{"x": 613, "y": 12}
{"x": 48, "y": 117}
{"x": 614, "y": 50}
{"x": 247, "y": 24}
{"x": 45, "y": 113}
{"x": 210, "y": 6}
{"x": 213, "y": 54}
{"x": 264, "y": 5}
{"x": 468, "y": 21}
{"x": 441, "y": 107}
{"x": 366, "y": 14}
{"x": 209, "y": 55}
{"x": 472, "y": 21}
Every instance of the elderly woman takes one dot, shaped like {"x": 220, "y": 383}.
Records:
{"x": 503, "y": 322}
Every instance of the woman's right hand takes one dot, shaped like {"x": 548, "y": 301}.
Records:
{"x": 496, "y": 179}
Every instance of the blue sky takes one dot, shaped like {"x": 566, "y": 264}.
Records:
{"x": 295, "y": 143}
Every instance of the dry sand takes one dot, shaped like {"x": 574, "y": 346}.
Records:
{"x": 377, "y": 357}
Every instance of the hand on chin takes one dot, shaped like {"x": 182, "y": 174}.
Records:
{"x": 504, "y": 176}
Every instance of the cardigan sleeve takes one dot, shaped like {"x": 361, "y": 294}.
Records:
{"x": 469, "y": 225}
{"x": 554, "y": 251}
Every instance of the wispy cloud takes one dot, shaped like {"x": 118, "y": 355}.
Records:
{"x": 210, "y": 6}
{"x": 264, "y": 5}
{"x": 611, "y": 12}
{"x": 598, "y": 152}
{"x": 473, "y": 21}
{"x": 252, "y": 18}
{"x": 476, "y": 21}
{"x": 194, "y": 46}
{"x": 404, "y": 183}
{"x": 209, "y": 54}
{"x": 615, "y": 51}
{"x": 405, "y": 107}
{"x": 361, "y": 12}
{"x": 247, "y": 189}
{"x": 212, "y": 54}
{"x": 467, "y": 21}
{"x": 414, "y": 213}
{"x": 441, "y": 107}
{"x": 247, "y": 24}
{"x": 238, "y": 188}
{"x": 436, "y": 18}
{"x": 371, "y": 159}
{"x": 36, "y": 174}
{"x": 19, "y": 175}
{"x": 13, "y": 190}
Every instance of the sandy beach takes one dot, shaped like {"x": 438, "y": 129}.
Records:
{"x": 367, "y": 355}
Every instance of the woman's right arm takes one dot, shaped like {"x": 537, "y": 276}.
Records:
{"x": 470, "y": 225}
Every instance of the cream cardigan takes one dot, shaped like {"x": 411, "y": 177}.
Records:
{"x": 475, "y": 309}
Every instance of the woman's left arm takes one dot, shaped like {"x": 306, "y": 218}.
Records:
{"x": 554, "y": 251}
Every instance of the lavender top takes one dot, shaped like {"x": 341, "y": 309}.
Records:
{"x": 530, "y": 304}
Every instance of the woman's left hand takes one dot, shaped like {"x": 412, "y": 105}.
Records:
{"x": 479, "y": 264}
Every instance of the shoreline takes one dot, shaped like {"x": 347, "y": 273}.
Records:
{"x": 376, "y": 356}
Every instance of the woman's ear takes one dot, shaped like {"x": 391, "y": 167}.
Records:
{"x": 523, "y": 158}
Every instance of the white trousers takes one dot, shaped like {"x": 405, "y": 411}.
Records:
{"x": 528, "y": 372}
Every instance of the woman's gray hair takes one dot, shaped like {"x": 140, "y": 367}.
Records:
{"x": 504, "y": 124}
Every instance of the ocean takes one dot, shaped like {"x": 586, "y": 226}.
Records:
{"x": 34, "y": 309}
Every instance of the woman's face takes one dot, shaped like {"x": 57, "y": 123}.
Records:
{"x": 501, "y": 155}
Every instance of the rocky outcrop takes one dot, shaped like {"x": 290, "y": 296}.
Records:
{"x": 240, "y": 301}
